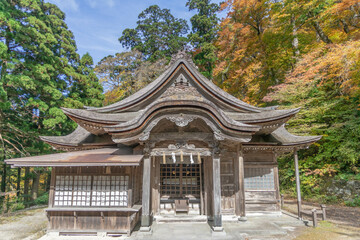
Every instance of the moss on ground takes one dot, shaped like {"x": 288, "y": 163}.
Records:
{"x": 327, "y": 230}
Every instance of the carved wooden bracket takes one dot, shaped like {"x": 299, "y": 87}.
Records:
{"x": 181, "y": 120}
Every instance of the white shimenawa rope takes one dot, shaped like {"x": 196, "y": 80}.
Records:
{"x": 191, "y": 158}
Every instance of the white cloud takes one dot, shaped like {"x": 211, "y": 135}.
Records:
{"x": 96, "y": 3}
{"x": 66, "y": 4}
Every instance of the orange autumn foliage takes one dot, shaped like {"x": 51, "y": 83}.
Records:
{"x": 241, "y": 49}
{"x": 335, "y": 67}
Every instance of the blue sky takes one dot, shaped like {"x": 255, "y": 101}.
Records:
{"x": 97, "y": 24}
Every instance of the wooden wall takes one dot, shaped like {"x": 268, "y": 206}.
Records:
{"x": 227, "y": 175}
{"x": 264, "y": 201}
{"x": 92, "y": 221}
{"x": 97, "y": 219}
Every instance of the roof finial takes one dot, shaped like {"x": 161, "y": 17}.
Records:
{"x": 182, "y": 54}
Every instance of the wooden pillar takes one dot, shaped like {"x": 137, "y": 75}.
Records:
{"x": 217, "y": 193}
{"x": 52, "y": 188}
{"x": 239, "y": 185}
{"x": 297, "y": 176}
{"x": 145, "y": 217}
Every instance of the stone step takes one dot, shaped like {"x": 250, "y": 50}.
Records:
{"x": 181, "y": 218}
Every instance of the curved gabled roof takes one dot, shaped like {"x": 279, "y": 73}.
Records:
{"x": 202, "y": 81}
{"x": 180, "y": 89}
{"x": 129, "y": 120}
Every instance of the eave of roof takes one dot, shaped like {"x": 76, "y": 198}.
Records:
{"x": 265, "y": 116}
{"x": 72, "y": 139}
{"x": 102, "y": 120}
{"x": 281, "y": 137}
{"x": 78, "y": 138}
{"x": 98, "y": 157}
{"x": 287, "y": 139}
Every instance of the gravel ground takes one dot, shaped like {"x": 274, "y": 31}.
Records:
{"x": 343, "y": 223}
{"x": 28, "y": 224}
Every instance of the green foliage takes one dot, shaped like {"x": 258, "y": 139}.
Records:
{"x": 40, "y": 72}
{"x": 354, "y": 202}
{"x": 43, "y": 199}
{"x": 348, "y": 176}
{"x": 327, "y": 110}
{"x": 203, "y": 34}
{"x": 17, "y": 206}
{"x": 158, "y": 34}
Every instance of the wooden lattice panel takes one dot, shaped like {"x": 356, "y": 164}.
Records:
{"x": 180, "y": 180}
{"x": 98, "y": 190}
{"x": 259, "y": 178}
{"x": 82, "y": 191}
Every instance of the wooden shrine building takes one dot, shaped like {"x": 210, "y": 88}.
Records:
{"x": 180, "y": 146}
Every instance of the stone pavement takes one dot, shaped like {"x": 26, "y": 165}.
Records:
{"x": 259, "y": 227}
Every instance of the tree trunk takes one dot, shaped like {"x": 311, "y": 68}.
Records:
{"x": 345, "y": 26}
{"x": 18, "y": 182}
{"x": 26, "y": 186}
{"x": 48, "y": 181}
{"x": 323, "y": 37}
{"x": 35, "y": 185}
{"x": 3, "y": 178}
{"x": 295, "y": 42}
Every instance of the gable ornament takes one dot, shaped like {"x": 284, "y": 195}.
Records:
{"x": 181, "y": 120}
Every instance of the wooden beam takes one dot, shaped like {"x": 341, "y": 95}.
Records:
{"x": 182, "y": 136}
{"x": 185, "y": 151}
{"x": 297, "y": 176}
{"x": 145, "y": 217}
{"x": 217, "y": 193}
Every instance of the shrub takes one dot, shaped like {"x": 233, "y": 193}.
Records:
{"x": 43, "y": 199}
{"x": 16, "y": 206}
{"x": 353, "y": 202}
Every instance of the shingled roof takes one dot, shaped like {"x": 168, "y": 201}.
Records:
{"x": 183, "y": 87}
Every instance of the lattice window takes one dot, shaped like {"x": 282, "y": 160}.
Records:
{"x": 63, "y": 191}
{"x": 259, "y": 179}
{"x": 81, "y": 191}
{"x": 180, "y": 180}
{"x": 110, "y": 191}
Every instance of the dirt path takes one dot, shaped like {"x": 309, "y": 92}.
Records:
{"x": 342, "y": 222}
{"x": 342, "y": 215}
{"x": 27, "y": 224}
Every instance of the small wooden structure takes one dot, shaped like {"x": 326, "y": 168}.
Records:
{"x": 314, "y": 213}
{"x": 179, "y": 144}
